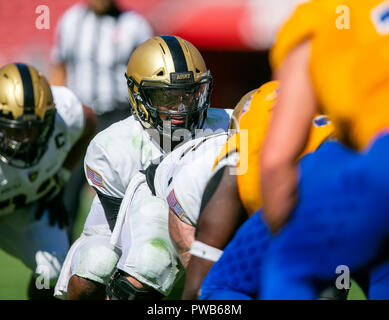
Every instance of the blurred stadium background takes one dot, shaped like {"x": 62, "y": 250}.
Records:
{"x": 233, "y": 35}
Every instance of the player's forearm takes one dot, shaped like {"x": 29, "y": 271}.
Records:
{"x": 77, "y": 152}
{"x": 217, "y": 232}
{"x": 182, "y": 236}
{"x": 219, "y": 218}
{"x": 197, "y": 268}
{"x": 279, "y": 195}
{"x": 196, "y": 271}
{"x": 223, "y": 214}
{"x": 286, "y": 136}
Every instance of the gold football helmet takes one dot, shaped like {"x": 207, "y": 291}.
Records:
{"x": 27, "y": 115}
{"x": 168, "y": 84}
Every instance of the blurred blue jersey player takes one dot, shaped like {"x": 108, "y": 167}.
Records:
{"x": 332, "y": 209}
{"x": 236, "y": 275}
{"x": 341, "y": 219}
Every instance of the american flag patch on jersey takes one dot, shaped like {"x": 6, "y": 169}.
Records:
{"x": 95, "y": 177}
{"x": 174, "y": 204}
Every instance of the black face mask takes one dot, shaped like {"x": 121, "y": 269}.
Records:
{"x": 22, "y": 144}
{"x": 177, "y": 100}
{"x": 176, "y": 107}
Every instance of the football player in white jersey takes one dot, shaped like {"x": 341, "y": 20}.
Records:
{"x": 142, "y": 226}
{"x": 169, "y": 88}
{"x": 180, "y": 180}
{"x": 44, "y": 132}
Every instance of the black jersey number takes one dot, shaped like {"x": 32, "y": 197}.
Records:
{"x": 20, "y": 200}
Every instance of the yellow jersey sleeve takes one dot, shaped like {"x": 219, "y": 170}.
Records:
{"x": 349, "y": 62}
{"x": 300, "y": 26}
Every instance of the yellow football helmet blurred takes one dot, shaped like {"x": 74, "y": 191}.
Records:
{"x": 233, "y": 124}
{"x": 168, "y": 84}
{"x": 27, "y": 115}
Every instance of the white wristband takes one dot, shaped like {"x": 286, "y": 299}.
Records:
{"x": 205, "y": 251}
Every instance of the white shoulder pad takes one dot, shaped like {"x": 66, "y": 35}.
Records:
{"x": 115, "y": 156}
{"x": 70, "y": 110}
{"x": 190, "y": 177}
{"x": 231, "y": 160}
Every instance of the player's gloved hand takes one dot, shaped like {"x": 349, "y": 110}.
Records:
{"x": 58, "y": 213}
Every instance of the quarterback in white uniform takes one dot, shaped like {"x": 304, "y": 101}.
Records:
{"x": 169, "y": 88}
{"x": 141, "y": 230}
{"x": 42, "y": 131}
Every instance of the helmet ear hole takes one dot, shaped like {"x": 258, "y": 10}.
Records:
{"x": 160, "y": 73}
{"x": 136, "y": 107}
{"x": 143, "y": 114}
{"x": 197, "y": 70}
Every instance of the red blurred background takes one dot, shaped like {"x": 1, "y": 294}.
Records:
{"x": 233, "y": 35}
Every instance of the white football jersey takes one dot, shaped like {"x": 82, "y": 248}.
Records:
{"x": 21, "y": 187}
{"x": 182, "y": 176}
{"x": 119, "y": 152}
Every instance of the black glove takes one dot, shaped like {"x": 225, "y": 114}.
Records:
{"x": 57, "y": 211}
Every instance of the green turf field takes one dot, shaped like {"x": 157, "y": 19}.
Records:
{"x": 14, "y": 276}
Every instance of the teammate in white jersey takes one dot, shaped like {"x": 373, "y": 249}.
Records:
{"x": 44, "y": 132}
{"x": 141, "y": 230}
{"x": 180, "y": 180}
{"x": 169, "y": 88}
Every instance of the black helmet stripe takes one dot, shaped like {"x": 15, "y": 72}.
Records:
{"x": 177, "y": 53}
{"x": 28, "y": 88}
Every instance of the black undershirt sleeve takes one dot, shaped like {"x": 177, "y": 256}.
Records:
{"x": 211, "y": 188}
{"x": 111, "y": 207}
{"x": 150, "y": 174}
{"x": 111, "y": 204}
